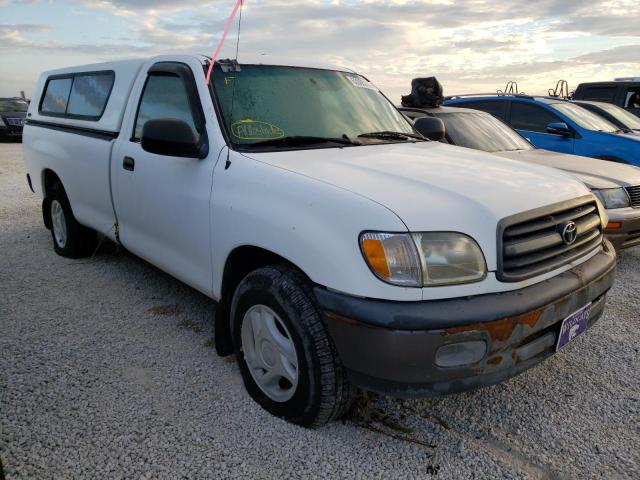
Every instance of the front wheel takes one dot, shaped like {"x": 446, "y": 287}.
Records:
{"x": 287, "y": 359}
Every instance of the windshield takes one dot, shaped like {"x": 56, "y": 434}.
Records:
{"x": 482, "y": 131}
{"x": 13, "y": 105}
{"x": 262, "y": 105}
{"x": 584, "y": 117}
{"x": 628, "y": 119}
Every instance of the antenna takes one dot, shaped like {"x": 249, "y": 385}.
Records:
{"x": 233, "y": 92}
{"x": 227, "y": 27}
{"x": 239, "y": 29}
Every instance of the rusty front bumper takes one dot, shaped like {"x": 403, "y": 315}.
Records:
{"x": 390, "y": 347}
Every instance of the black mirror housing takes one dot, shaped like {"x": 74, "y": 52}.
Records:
{"x": 559, "y": 128}
{"x": 430, "y": 127}
{"x": 174, "y": 138}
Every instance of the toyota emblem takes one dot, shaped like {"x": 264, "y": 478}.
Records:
{"x": 569, "y": 232}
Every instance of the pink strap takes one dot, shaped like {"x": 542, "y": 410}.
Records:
{"x": 224, "y": 37}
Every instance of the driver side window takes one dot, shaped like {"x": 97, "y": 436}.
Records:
{"x": 164, "y": 96}
{"x": 533, "y": 118}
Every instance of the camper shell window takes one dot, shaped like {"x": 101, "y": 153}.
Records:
{"x": 601, "y": 94}
{"x": 81, "y": 96}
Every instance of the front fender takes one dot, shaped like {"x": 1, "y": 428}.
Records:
{"x": 312, "y": 224}
{"x": 607, "y": 146}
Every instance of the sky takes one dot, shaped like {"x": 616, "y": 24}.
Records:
{"x": 470, "y": 45}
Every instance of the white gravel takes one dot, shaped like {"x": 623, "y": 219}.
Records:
{"x": 107, "y": 371}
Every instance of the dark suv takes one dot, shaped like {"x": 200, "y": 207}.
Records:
{"x": 13, "y": 112}
{"x": 625, "y": 94}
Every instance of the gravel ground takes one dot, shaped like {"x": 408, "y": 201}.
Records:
{"x": 107, "y": 371}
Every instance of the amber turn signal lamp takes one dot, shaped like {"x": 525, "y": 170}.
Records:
{"x": 614, "y": 225}
{"x": 374, "y": 251}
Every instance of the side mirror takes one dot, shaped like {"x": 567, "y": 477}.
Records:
{"x": 430, "y": 127}
{"x": 559, "y": 128}
{"x": 172, "y": 137}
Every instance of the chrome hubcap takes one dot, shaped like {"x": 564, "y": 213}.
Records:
{"x": 58, "y": 223}
{"x": 270, "y": 353}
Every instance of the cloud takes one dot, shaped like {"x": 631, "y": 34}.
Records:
{"x": 621, "y": 54}
{"x": 625, "y": 25}
{"x": 12, "y": 39}
{"x": 469, "y": 44}
{"x": 12, "y": 35}
{"x": 25, "y": 27}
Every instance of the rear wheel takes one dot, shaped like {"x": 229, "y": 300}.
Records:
{"x": 286, "y": 357}
{"x": 70, "y": 239}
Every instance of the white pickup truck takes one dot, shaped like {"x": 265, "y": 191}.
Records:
{"x": 343, "y": 247}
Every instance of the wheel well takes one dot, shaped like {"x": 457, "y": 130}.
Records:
{"x": 49, "y": 179}
{"x": 240, "y": 262}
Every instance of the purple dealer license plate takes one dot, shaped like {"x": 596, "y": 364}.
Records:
{"x": 573, "y": 325}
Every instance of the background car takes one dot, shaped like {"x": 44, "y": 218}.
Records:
{"x": 13, "y": 112}
{"x": 616, "y": 185}
{"x": 613, "y": 113}
{"x": 558, "y": 125}
{"x": 623, "y": 92}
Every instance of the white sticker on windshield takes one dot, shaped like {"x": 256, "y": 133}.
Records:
{"x": 361, "y": 82}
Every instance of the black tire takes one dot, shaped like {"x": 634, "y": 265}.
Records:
{"x": 323, "y": 392}
{"x": 80, "y": 241}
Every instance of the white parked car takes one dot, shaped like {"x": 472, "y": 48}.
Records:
{"x": 343, "y": 248}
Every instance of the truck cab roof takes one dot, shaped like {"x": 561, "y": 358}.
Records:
{"x": 124, "y": 73}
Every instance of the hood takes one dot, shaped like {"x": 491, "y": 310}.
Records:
{"x": 433, "y": 186}
{"x": 592, "y": 172}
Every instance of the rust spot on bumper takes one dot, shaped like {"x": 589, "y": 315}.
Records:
{"x": 501, "y": 330}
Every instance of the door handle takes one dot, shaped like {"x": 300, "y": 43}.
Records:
{"x": 129, "y": 164}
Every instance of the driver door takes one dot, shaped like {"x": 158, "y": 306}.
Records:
{"x": 162, "y": 202}
{"x": 531, "y": 122}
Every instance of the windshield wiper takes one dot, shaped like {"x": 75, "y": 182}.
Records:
{"x": 299, "y": 140}
{"x": 392, "y": 135}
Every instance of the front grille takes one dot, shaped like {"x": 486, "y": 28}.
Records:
{"x": 634, "y": 195}
{"x": 532, "y": 243}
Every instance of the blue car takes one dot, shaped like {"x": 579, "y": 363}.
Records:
{"x": 558, "y": 125}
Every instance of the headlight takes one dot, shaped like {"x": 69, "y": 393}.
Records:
{"x": 448, "y": 258}
{"x": 613, "y": 197}
{"x": 2, "y": 124}
{"x": 423, "y": 259}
